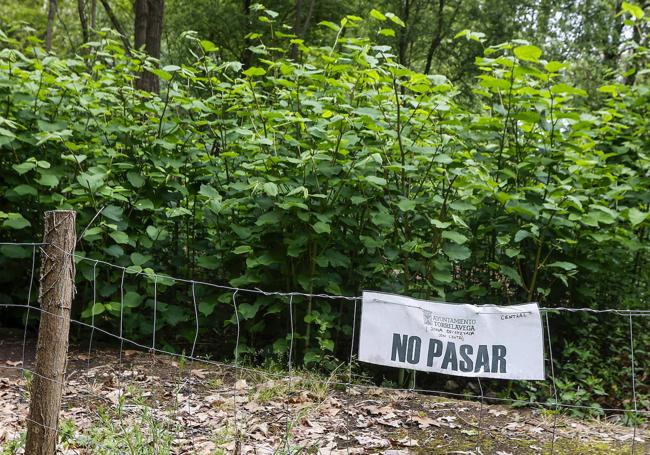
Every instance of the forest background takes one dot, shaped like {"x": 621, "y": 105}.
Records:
{"x": 470, "y": 151}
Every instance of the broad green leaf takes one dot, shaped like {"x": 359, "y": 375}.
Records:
{"x": 512, "y": 274}
{"x": 15, "y": 221}
{"x": 119, "y": 237}
{"x": 636, "y": 216}
{"x": 406, "y": 205}
{"x": 395, "y": 19}
{"x": 207, "y": 308}
{"x": 49, "y": 180}
{"x": 132, "y": 299}
{"x": 24, "y": 167}
{"x": 254, "y": 71}
{"x": 322, "y": 228}
{"x": 563, "y": 265}
{"x": 634, "y": 10}
{"x": 208, "y": 262}
{"x": 135, "y": 179}
{"x": 140, "y": 259}
{"x": 376, "y": 180}
{"x": 208, "y": 46}
{"x": 377, "y": 15}
{"x": 271, "y": 189}
{"x": 456, "y": 252}
{"x": 26, "y": 190}
{"x": 454, "y": 236}
{"x": 243, "y": 249}
{"x": 528, "y": 53}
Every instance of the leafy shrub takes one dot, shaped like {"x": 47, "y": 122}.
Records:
{"x": 332, "y": 174}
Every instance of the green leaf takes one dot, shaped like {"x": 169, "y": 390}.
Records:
{"x": 554, "y": 66}
{"x": 16, "y": 221}
{"x": 321, "y": 228}
{"x": 242, "y": 249}
{"x": 377, "y": 15}
{"x": 521, "y": 235}
{"x": 208, "y": 46}
{"x": 271, "y": 189}
{"x": 208, "y": 262}
{"x": 119, "y": 237}
{"x": 454, "y": 236}
{"x": 113, "y": 212}
{"x": 528, "y": 53}
{"x": 395, "y": 19}
{"x": 512, "y": 274}
{"x": 268, "y": 218}
{"x": 26, "y": 190}
{"x": 634, "y": 10}
{"x": 162, "y": 74}
{"x": 140, "y": 259}
{"x": 456, "y": 252}
{"x": 406, "y": 205}
{"x": 144, "y": 204}
{"x": 636, "y": 216}
{"x": 563, "y": 265}
{"x": 255, "y": 71}
{"x": 248, "y": 310}
{"x": 24, "y": 167}
{"x": 135, "y": 179}
{"x": 49, "y": 180}
{"x": 132, "y": 299}
{"x": 330, "y": 25}
{"x": 376, "y": 180}
{"x": 382, "y": 218}
{"x": 209, "y": 191}
{"x": 93, "y": 310}
{"x": 207, "y": 308}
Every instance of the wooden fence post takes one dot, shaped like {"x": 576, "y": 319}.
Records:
{"x": 56, "y": 292}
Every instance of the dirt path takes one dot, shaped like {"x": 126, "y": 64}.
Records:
{"x": 161, "y": 404}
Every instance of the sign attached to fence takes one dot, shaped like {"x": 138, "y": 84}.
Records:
{"x": 488, "y": 341}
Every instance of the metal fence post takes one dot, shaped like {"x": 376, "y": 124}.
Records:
{"x": 56, "y": 293}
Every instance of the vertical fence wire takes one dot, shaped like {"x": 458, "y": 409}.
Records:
{"x": 348, "y": 389}
{"x": 412, "y": 395}
{"x": 196, "y": 337}
{"x": 290, "y": 369}
{"x": 633, "y": 384}
{"x": 234, "y": 395}
{"x": 480, "y": 417}
{"x": 122, "y": 314}
{"x": 412, "y": 389}
{"x": 553, "y": 384}
{"x": 29, "y": 299}
{"x": 92, "y": 313}
{"x": 155, "y": 312}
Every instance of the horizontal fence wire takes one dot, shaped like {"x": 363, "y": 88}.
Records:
{"x": 158, "y": 276}
{"x": 347, "y": 385}
{"x": 279, "y": 375}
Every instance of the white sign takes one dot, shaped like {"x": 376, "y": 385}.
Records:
{"x": 488, "y": 341}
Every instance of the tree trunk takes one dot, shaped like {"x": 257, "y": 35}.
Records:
{"x": 437, "y": 37}
{"x": 116, "y": 24}
{"x": 141, "y": 9}
{"x": 148, "y": 33}
{"x": 83, "y": 20}
{"x": 56, "y": 294}
{"x": 403, "y": 40}
{"x": 296, "y": 28}
{"x": 51, "y": 14}
{"x": 93, "y": 14}
{"x": 247, "y": 55}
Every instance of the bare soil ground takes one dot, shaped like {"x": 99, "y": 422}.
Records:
{"x": 161, "y": 404}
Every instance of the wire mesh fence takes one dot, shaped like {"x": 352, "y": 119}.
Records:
{"x": 130, "y": 407}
